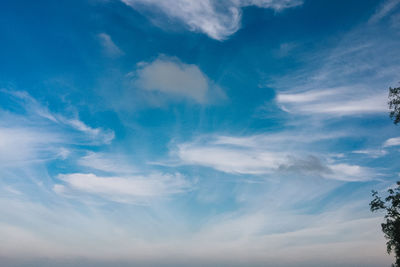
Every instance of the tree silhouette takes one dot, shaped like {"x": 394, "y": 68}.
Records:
{"x": 391, "y": 204}
{"x": 391, "y": 226}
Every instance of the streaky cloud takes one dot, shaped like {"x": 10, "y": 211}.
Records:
{"x": 39, "y": 114}
{"x": 383, "y": 10}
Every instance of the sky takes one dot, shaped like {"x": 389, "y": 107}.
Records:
{"x": 196, "y": 133}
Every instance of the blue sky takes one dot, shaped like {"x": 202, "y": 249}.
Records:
{"x": 196, "y": 133}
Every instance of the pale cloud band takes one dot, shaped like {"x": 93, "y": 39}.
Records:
{"x": 395, "y": 141}
{"x": 335, "y": 101}
{"x": 130, "y": 189}
{"x": 266, "y": 155}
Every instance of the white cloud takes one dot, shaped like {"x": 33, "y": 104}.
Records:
{"x": 392, "y": 142}
{"x": 371, "y": 153}
{"x": 116, "y": 179}
{"x": 305, "y": 97}
{"x": 347, "y": 172}
{"x": 336, "y": 102}
{"x": 217, "y": 19}
{"x": 128, "y": 188}
{"x": 263, "y": 154}
{"x": 231, "y": 160}
{"x": 110, "y": 48}
{"x": 173, "y": 78}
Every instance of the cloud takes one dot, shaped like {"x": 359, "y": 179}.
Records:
{"x": 25, "y": 145}
{"x": 38, "y": 114}
{"x": 383, "y": 10}
{"x": 350, "y": 78}
{"x": 230, "y": 160}
{"x": 335, "y": 101}
{"x": 110, "y": 48}
{"x": 116, "y": 179}
{"x": 266, "y": 155}
{"x": 392, "y": 142}
{"x": 285, "y": 49}
{"x": 104, "y": 136}
{"x": 125, "y": 189}
{"x": 347, "y": 172}
{"x": 35, "y": 134}
{"x": 111, "y": 163}
{"x": 217, "y": 19}
{"x": 371, "y": 152}
{"x": 175, "y": 79}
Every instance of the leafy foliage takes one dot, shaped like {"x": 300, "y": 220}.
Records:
{"x": 394, "y": 104}
{"x": 391, "y": 226}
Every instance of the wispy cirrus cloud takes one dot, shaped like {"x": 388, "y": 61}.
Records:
{"x": 217, "y": 19}
{"x": 35, "y": 134}
{"x": 348, "y": 79}
{"x": 26, "y": 145}
{"x": 38, "y": 114}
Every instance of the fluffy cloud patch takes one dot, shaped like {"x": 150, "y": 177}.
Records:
{"x": 173, "y": 78}
{"x": 217, "y": 19}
